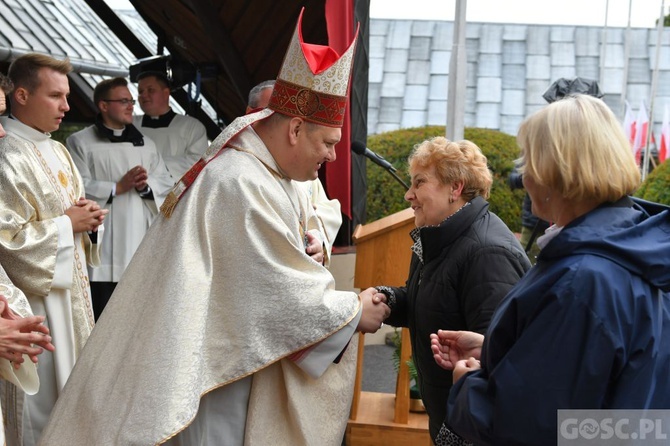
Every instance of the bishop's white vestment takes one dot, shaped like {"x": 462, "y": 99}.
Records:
{"x": 220, "y": 292}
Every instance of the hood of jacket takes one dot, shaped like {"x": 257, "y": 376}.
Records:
{"x": 631, "y": 232}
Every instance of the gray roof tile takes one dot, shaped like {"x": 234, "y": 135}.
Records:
{"x": 538, "y": 67}
{"x": 491, "y": 39}
{"x": 562, "y": 53}
{"x": 637, "y": 93}
{"x": 612, "y": 82}
{"x": 663, "y": 59}
{"x": 396, "y": 60}
{"x": 437, "y": 112}
{"x": 513, "y": 76}
{"x": 538, "y": 40}
{"x": 376, "y": 71}
{"x": 379, "y": 27}
{"x": 374, "y": 94}
{"x": 513, "y": 102}
{"x": 418, "y": 72}
{"x": 638, "y": 43}
{"x": 377, "y": 46}
{"x": 513, "y": 52}
{"x": 614, "y": 56}
{"x": 399, "y": 34}
{"x": 587, "y": 42}
{"x": 438, "y": 86}
{"x": 472, "y": 50}
{"x": 423, "y": 28}
{"x": 562, "y": 34}
{"x": 488, "y": 115}
{"x": 515, "y": 32}
{"x": 534, "y": 91}
{"x": 639, "y": 71}
{"x": 443, "y": 37}
{"x": 416, "y": 97}
{"x": 663, "y": 84}
{"x": 587, "y": 66}
{"x": 490, "y": 65}
{"x": 390, "y": 110}
{"x": 393, "y": 85}
{"x": 489, "y": 89}
{"x": 413, "y": 118}
{"x": 558, "y": 72}
{"x": 510, "y": 124}
{"x": 439, "y": 62}
{"x": 419, "y": 48}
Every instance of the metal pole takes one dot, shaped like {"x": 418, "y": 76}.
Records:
{"x": 626, "y": 60}
{"x": 654, "y": 83}
{"x": 457, "y": 77}
{"x": 603, "y": 46}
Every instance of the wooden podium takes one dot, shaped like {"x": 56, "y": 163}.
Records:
{"x": 383, "y": 256}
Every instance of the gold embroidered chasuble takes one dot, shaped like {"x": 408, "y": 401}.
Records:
{"x": 25, "y": 377}
{"x": 219, "y": 291}
{"x": 36, "y": 187}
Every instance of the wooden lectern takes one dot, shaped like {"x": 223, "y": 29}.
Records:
{"x": 383, "y": 254}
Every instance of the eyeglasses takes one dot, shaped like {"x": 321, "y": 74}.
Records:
{"x": 123, "y": 102}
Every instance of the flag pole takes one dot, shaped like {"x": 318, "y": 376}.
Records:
{"x": 457, "y": 77}
{"x": 603, "y": 45}
{"x": 626, "y": 60}
{"x": 654, "y": 82}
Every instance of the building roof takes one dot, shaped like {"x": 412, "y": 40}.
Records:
{"x": 510, "y": 66}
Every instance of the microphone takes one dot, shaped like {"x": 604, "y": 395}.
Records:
{"x": 359, "y": 148}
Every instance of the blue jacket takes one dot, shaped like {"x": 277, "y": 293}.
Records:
{"x": 581, "y": 330}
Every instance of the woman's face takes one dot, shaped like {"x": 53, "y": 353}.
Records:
{"x": 540, "y": 196}
{"x": 429, "y": 197}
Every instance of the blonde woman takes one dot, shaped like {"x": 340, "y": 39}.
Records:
{"x": 584, "y": 328}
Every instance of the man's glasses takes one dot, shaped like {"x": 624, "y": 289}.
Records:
{"x": 123, "y": 102}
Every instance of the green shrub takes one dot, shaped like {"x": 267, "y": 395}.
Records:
{"x": 656, "y": 187}
{"x": 65, "y": 131}
{"x": 385, "y": 194}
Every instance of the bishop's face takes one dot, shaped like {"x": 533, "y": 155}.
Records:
{"x": 315, "y": 146}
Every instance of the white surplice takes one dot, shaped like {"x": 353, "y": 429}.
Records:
{"x": 101, "y": 164}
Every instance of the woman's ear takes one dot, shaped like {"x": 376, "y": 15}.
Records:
{"x": 457, "y": 189}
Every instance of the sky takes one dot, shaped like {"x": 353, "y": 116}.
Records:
{"x": 555, "y": 12}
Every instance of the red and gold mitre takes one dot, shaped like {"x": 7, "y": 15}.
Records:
{"x": 313, "y": 82}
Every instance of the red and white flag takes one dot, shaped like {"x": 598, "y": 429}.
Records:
{"x": 641, "y": 128}
{"x": 629, "y": 125}
{"x": 665, "y": 136}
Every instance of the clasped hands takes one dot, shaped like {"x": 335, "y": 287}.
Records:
{"x": 136, "y": 178}
{"x": 375, "y": 310}
{"x": 459, "y": 351}
{"x": 22, "y": 335}
{"x": 86, "y": 215}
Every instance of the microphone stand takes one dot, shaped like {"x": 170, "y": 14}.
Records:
{"x": 399, "y": 179}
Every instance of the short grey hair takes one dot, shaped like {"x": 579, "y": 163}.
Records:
{"x": 254, "y": 94}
